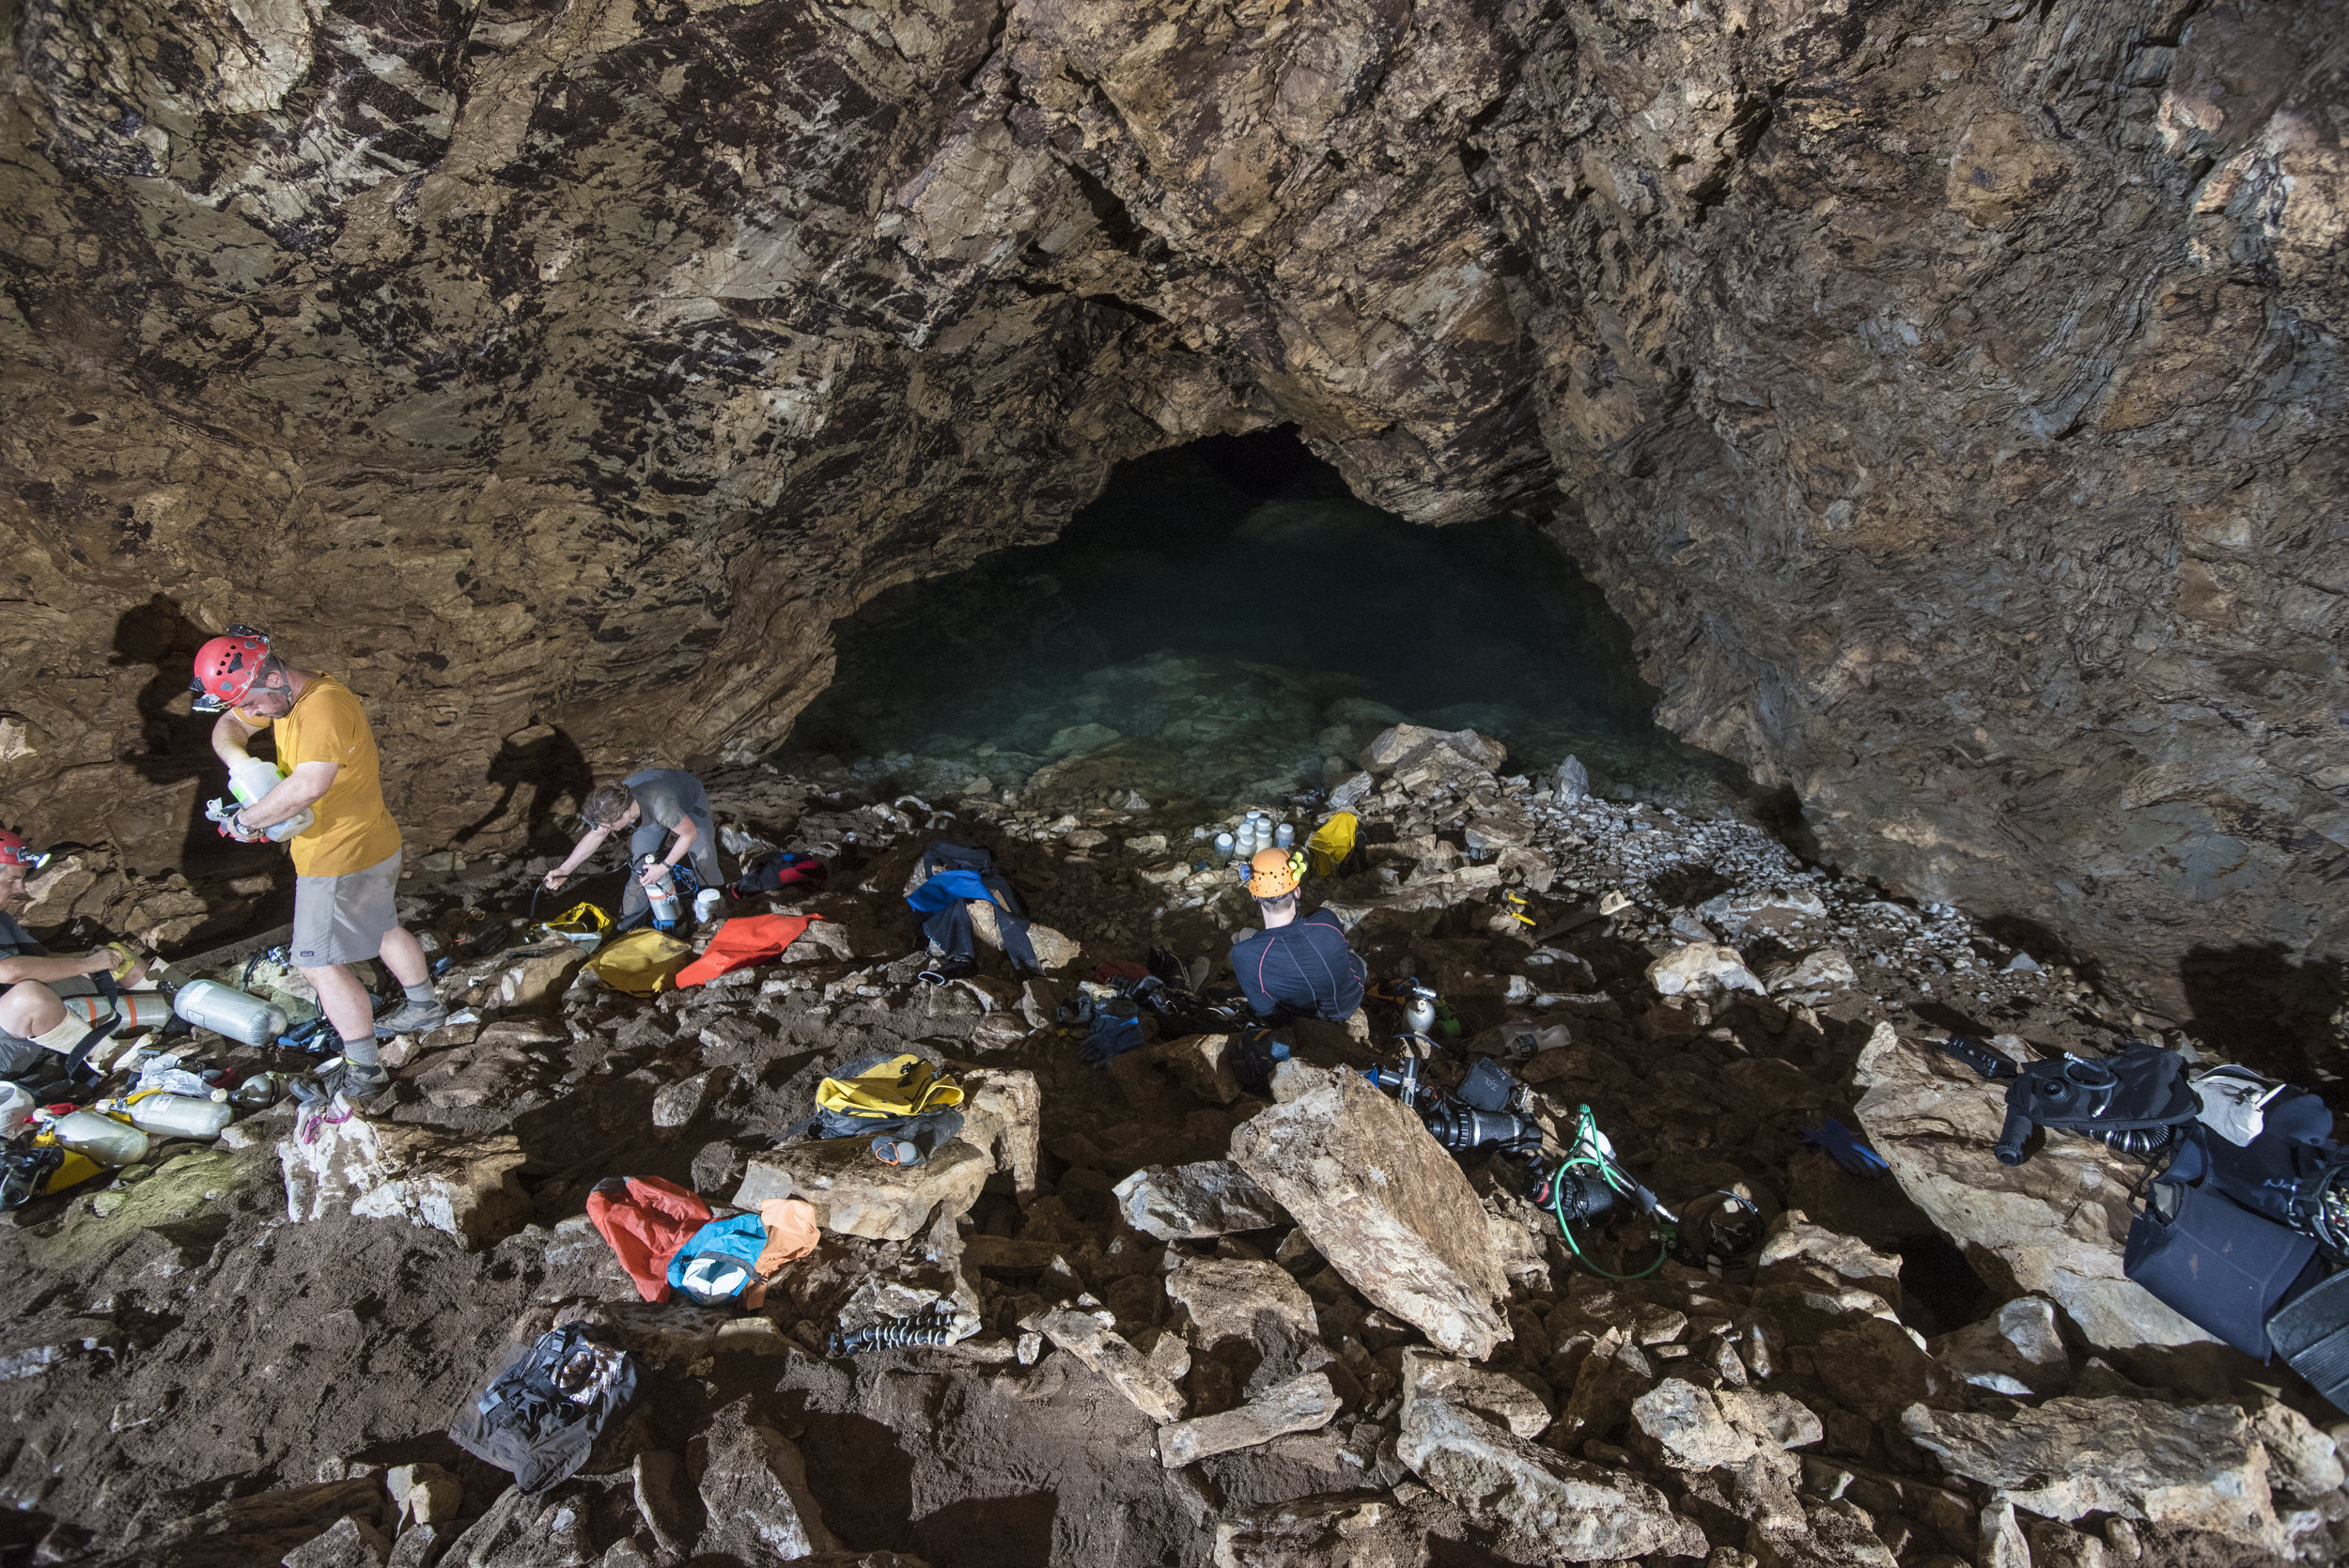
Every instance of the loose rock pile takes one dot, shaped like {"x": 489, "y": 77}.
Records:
{"x": 1191, "y": 1326}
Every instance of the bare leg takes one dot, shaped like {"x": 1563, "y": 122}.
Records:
{"x": 402, "y": 955}
{"x": 29, "y": 1008}
{"x": 344, "y": 1000}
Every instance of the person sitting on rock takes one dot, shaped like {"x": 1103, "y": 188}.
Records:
{"x": 346, "y": 863}
{"x": 1297, "y": 967}
{"x": 34, "y": 1023}
{"x": 655, "y": 803}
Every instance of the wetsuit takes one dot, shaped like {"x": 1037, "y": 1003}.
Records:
{"x": 1302, "y": 970}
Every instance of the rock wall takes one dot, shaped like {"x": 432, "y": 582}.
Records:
{"x": 1944, "y": 390}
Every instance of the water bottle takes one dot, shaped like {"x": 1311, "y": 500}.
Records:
{"x": 225, "y": 1010}
{"x": 97, "y": 1137}
{"x": 180, "y": 1115}
{"x": 1226, "y": 848}
{"x": 705, "y": 905}
{"x": 1285, "y": 836}
{"x": 137, "y": 1009}
{"x": 663, "y": 895}
{"x": 249, "y": 779}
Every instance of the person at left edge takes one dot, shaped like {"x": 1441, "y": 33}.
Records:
{"x": 346, "y": 863}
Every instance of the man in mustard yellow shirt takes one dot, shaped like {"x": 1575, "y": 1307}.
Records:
{"x": 346, "y": 863}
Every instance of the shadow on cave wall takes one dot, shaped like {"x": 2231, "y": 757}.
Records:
{"x": 2255, "y": 1005}
{"x": 173, "y": 746}
{"x": 552, "y": 767}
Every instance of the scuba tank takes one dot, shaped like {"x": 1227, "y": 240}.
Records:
{"x": 136, "y": 1009}
{"x": 249, "y": 779}
{"x": 662, "y": 896}
{"x": 180, "y": 1115}
{"x": 223, "y": 1010}
{"x": 97, "y": 1137}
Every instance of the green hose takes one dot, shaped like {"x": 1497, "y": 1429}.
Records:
{"x": 1586, "y": 1136}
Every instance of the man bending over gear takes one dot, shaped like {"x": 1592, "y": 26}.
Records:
{"x": 655, "y": 803}
{"x": 1295, "y": 966}
{"x": 346, "y": 863}
{"x": 32, "y": 1020}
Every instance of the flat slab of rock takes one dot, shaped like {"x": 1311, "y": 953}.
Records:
{"x": 465, "y": 1186}
{"x": 2195, "y": 1467}
{"x": 1188, "y": 1203}
{"x": 755, "y": 1487}
{"x": 1304, "y": 1403}
{"x": 1054, "y": 949}
{"x": 1110, "y": 1354}
{"x": 1567, "y": 1509}
{"x": 1001, "y": 1113}
{"x": 1255, "y": 1301}
{"x": 2056, "y": 1221}
{"x": 1386, "y": 1205}
{"x": 855, "y": 1194}
{"x": 1489, "y": 1392}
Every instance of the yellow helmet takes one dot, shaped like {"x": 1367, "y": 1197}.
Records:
{"x": 1275, "y": 873}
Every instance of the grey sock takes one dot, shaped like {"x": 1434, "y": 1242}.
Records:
{"x": 420, "y": 993}
{"x": 361, "y": 1053}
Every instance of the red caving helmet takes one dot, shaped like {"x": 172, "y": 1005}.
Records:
{"x": 225, "y": 668}
{"x": 15, "y": 851}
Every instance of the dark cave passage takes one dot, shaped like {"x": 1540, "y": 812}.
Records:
{"x": 1227, "y": 621}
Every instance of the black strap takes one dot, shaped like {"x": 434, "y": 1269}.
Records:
{"x": 113, "y": 993}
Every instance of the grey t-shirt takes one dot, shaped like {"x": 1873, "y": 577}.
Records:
{"x": 668, "y": 797}
{"x": 17, "y": 942}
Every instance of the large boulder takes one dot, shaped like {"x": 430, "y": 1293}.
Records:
{"x": 2052, "y": 1226}
{"x": 378, "y": 1170}
{"x": 854, "y": 1193}
{"x": 1386, "y": 1205}
{"x": 1189, "y": 1203}
{"x": 1561, "y": 1508}
{"x": 2192, "y": 1467}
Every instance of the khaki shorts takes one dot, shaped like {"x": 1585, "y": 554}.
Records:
{"x": 341, "y": 919}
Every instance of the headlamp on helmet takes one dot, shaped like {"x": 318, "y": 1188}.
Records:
{"x": 226, "y": 667}
{"x": 15, "y": 851}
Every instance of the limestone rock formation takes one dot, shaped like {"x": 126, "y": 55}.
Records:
{"x": 1208, "y": 1198}
{"x": 2196, "y": 1467}
{"x": 1384, "y": 1202}
{"x": 1947, "y": 397}
{"x": 1575, "y": 1513}
{"x": 2054, "y": 1224}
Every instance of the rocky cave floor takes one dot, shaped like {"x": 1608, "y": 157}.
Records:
{"x": 190, "y": 1376}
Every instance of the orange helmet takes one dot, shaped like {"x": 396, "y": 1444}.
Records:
{"x": 1275, "y": 873}
{"x": 225, "y": 668}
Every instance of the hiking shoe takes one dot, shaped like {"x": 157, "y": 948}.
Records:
{"x": 354, "y": 1082}
{"x": 412, "y": 1018}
